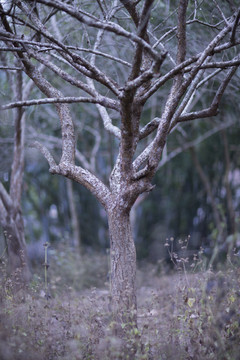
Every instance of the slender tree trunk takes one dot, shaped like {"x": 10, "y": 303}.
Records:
{"x": 216, "y": 213}
{"x": 123, "y": 268}
{"x": 230, "y": 206}
{"x": 18, "y": 267}
{"x": 207, "y": 185}
{"x": 76, "y": 236}
{"x": 10, "y": 202}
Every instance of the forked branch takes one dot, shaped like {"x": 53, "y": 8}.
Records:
{"x": 213, "y": 109}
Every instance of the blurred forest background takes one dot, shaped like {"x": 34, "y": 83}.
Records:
{"x": 197, "y": 189}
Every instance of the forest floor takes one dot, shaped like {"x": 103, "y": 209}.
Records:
{"x": 183, "y": 315}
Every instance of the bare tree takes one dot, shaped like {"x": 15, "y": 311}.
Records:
{"x": 119, "y": 54}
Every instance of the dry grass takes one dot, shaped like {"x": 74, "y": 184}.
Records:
{"x": 180, "y": 316}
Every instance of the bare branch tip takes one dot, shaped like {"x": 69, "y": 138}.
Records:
{"x": 53, "y": 167}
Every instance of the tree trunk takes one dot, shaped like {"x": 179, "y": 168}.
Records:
{"x": 208, "y": 188}
{"x": 10, "y": 202}
{"x": 76, "y": 235}
{"x": 230, "y": 206}
{"x": 123, "y": 268}
{"x": 18, "y": 267}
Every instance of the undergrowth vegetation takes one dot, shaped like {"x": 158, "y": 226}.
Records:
{"x": 182, "y": 315}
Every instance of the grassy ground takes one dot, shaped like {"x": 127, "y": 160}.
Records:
{"x": 184, "y": 315}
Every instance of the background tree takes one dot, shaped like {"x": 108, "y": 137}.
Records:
{"x": 147, "y": 56}
{"x": 10, "y": 201}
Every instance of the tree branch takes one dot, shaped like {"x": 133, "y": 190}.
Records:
{"x": 181, "y": 34}
{"x": 213, "y": 109}
{"x": 87, "y": 179}
{"x": 10, "y": 68}
{"x": 154, "y": 151}
{"x": 142, "y": 33}
{"x": 173, "y": 29}
{"x": 187, "y": 145}
{"x": 60, "y": 72}
{"x": 58, "y": 100}
{"x": 218, "y": 64}
{"x": 94, "y": 71}
{"x": 95, "y": 23}
{"x": 68, "y": 139}
{"x": 198, "y": 59}
{"x": 232, "y": 39}
{"x": 18, "y": 151}
{"x": 53, "y": 167}
{"x": 3, "y": 213}
{"x": 95, "y": 148}
{"x": 149, "y": 128}
{"x": 49, "y": 139}
{"x": 186, "y": 99}
{"x": 50, "y": 46}
{"x": 131, "y": 8}
{"x": 153, "y": 124}
{"x": 5, "y": 198}
{"x": 107, "y": 121}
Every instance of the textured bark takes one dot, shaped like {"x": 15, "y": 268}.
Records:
{"x": 123, "y": 267}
